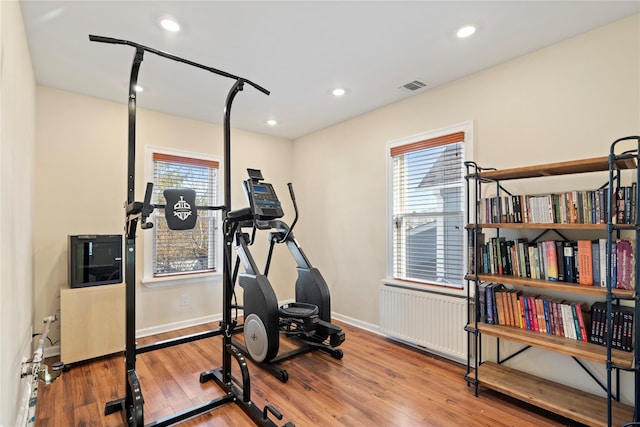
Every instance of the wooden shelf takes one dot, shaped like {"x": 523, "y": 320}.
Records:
{"x": 597, "y": 164}
{"x": 554, "y": 286}
{"x": 570, "y": 347}
{"x": 551, "y": 226}
{"x": 571, "y": 403}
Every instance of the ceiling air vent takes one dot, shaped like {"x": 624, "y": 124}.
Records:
{"x": 413, "y": 86}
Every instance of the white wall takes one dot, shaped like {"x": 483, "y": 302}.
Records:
{"x": 565, "y": 102}
{"x": 80, "y": 175}
{"x": 17, "y": 136}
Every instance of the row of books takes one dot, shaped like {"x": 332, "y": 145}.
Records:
{"x": 622, "y": 326}
{"x": 500, "y": 305}
{"x": 580, "y": 261}
{"x": 573, "y": 207}
{"x": 510, "y": 307}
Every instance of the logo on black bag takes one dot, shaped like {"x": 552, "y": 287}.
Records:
{"x": 182, "y": 209}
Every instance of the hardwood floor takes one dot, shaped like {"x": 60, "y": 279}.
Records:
{"x": 378, "y": 383}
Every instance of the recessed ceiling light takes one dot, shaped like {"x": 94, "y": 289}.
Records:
{"x": 466, "y": 31}
{"x": 139, "y": 88}
{"x": 170, "y": 25}
{"x": 338, "y": 91}
{"x": 272, "y": 122}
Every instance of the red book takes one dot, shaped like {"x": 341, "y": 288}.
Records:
{"x": 585, "y": 263}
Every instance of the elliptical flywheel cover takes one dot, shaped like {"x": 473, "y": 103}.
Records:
{"x": 255, "y": 337}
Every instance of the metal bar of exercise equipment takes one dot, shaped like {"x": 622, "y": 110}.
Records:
{"x": 132, "y": 403}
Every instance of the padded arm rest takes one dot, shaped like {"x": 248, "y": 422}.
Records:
{"x": 238, "y": 215}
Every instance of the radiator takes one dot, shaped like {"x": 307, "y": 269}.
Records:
{"x": 425, "y": 319}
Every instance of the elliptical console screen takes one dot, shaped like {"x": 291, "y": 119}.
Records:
{"x": 263, "y": 200}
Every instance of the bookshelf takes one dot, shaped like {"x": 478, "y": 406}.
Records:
{"x": 566, "y": 401}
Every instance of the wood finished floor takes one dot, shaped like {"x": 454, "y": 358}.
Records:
{"x": 378, "y": 383}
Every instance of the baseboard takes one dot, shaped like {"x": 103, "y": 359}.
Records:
{"x": 357, "y": 323}
{"x": 51, "y": 351}
{"x": 169, "y": 327}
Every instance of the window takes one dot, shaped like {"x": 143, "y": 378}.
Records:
{"x": 183, "y": 252}
{"x": 427, "y": 207}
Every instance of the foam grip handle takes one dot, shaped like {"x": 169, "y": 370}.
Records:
{"x": 293, "y": 195}
{"x": 180, "y": 211}
{"x": 147, "y": 194}
{"x": 102, "y": 39}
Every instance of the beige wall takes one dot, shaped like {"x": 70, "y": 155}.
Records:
{"x": 568, "y": 101}
{"x": 17, "y": 138}
{"x": 80, "y": 177}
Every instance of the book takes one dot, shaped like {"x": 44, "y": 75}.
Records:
{"x": 595, "y": 259}
{"x": 567, "y": 321}
{"x": 515, "y": 303}
{"x": 533, "y": 259}
{"x": 596, "y": 323}
{"x": 542, "y": 255}
{"x": 476, "y": 241}
{"x": 533, "y": 314}
{"x": 560, "y": 260}
{"x": 602, "y": 245}
{"x": 490, "y": 304}
{"x": 482, "y": 302}
{"x": 624, "y": 252}
{"x": 585, "y": 263}
{"x": 569, "y": 261}
{"x": 576, "y": 324}
{"x": 499, "y": 303}
{"x": 547, "y": 316}
{"x": 542, "y": 324}
{"x": 628, "y": 313}
{"x": 552, "y": 260}
{"x": 525, "y": 312}
{"x": 622, "y": 323}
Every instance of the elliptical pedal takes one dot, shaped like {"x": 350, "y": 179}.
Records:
{"x": 298, "y": 310}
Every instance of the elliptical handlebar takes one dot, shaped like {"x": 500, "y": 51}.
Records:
{"x": 295, "y": 209}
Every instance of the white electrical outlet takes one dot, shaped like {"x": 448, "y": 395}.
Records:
{"x": 184, "y": 299}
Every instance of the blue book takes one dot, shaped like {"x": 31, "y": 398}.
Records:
{"x": 547, "y": 321}
{"x": 491, "y": 319}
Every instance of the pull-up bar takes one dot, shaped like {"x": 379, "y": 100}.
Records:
{"x": 111, "y": 40}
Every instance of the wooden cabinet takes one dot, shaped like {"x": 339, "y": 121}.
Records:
{"x": 92, "y": 322}
{"x": 566, "y": 401}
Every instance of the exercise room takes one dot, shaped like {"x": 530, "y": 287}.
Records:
{"x": 312, "y": 213}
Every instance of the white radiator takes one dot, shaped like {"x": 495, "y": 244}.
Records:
{"x": 426, "y": 319}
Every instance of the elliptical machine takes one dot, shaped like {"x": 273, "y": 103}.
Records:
{"x": 308, "y": 319}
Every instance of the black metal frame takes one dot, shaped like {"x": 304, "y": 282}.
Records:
{"x": 614, "y": 230}
{"x": 132, "y": 403}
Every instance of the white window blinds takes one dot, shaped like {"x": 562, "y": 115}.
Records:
{"x": 185, "y": 251}
{"x": 428, "y": 210}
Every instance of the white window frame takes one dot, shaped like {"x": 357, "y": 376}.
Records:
{"x": 467, "y": 128}
{"x": 148, "y": 279}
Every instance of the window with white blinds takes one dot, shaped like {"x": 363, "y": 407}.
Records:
{"x": 428, "y": 210}
{"x": 185, "y": 251}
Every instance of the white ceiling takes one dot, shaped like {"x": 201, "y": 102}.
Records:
{"x": 298, "y": 50}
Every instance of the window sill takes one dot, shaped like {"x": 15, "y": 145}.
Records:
{"x": 187, "y": 279}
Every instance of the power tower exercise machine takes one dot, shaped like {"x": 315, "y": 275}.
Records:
{"x": 182, "y": 203}
{"x": 308, "y": 319}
